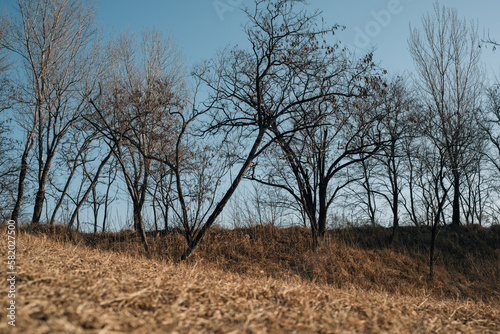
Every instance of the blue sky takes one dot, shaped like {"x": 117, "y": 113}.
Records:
{"x": 201, "y": 27}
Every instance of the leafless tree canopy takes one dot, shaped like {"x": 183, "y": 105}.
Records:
{"x": 309, "y": 129}
{"x": 446, "y": 55}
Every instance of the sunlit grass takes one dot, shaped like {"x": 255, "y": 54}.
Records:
{"x": 73, "y": 288}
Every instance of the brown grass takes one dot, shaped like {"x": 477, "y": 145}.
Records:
{"x": 467, "y": 265}
{"x": 260, "y": 280}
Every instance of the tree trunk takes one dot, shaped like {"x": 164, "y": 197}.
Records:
{"x": 165, "y": 217}
{"x": 95, "y": 208}
{"x": 322, "y": 210}
{"x": 220, "y": 206}
{"x": 155, "y": 216}
{"x": 106, "y": 201}
{"x": 455, "y": 221}
{"x": 395, "y": 193}
{"x": 61, "y": 199}
{"x": 40, "y": 197}
{"x": 92, "y": 185}
{"x": 139, "y": 226}
{"x": 315, "y": 237}
{"x": 104, "y": 218}
{"x": 22, "y": 177}
{"x": 431, "y": 252}
{"x": 395, "y": 218}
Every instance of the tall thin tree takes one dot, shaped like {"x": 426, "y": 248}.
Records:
{"x": 56, "y": 47}
{"x": 446, "y": 57}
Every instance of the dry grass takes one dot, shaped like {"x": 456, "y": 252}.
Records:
{"x": 467, "y": 265}
{"x": 68, "y": 288}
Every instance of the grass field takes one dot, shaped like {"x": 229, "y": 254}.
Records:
{"x": 247, "y": 282}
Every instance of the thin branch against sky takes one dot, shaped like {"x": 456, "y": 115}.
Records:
{"x": 200, "y": 28}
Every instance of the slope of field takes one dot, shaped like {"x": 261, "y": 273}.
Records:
{"x": 467, "y": 261}
{"x": 68, "y": 288}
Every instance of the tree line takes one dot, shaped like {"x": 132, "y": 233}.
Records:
{"x": 296, "y": 114}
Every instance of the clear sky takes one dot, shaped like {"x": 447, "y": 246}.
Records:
{"x": 201, "y": 27}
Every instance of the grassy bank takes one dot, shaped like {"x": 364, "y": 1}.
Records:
{"x": 261, "y": 279}
{"x": 467, "y": 264}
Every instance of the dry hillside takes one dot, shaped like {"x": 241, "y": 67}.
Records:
{"x": 74, "y": 287}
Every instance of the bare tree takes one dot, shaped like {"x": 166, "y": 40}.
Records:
{"x": 412, "y": 175}
{"x": 479, "y": 187}
{"x": 398, "y": 126}
{"x": 109, "y": 199}
{"x": 364, "y": 189}
{"x": 5, "y": 85}
{"x": 264, "y": 94}
{"x": 7, "y": 163}
{"x": 193, "y": 161}
{"x": 73, "y": 163}
{"x": 343, "y": 133}
{"x": 55, "y": 44}
{"x": 446, "y": 56}
{"x": 89, "y": 179}
{"x": 133, "y": 112}
{"x": 257, "y": 204}
{"x": 436, "y": 193}
{"x": 8, "y": 170}
{"x": 491, "y": 127}
{"x": 491, "y": 124}
{"x": 163, "y": 194}
{"x": 428, "y": 183}
{"x": 251, "y": 91}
